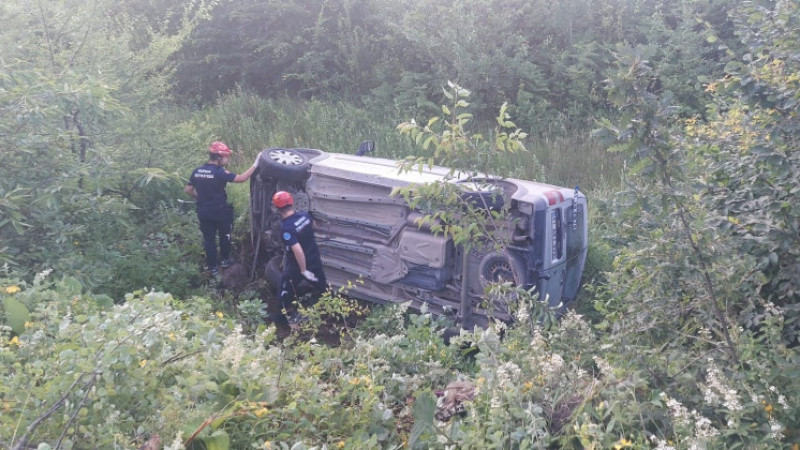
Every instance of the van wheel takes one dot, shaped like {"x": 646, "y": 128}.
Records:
{"x": 273, "y": 271}
{"x": 496, "y": 267}
{"x": 284, "y": 164}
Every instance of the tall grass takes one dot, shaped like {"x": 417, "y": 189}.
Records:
{"x": 252, "y": 123}
{"x": 576, "y": 159}
{"x": 249, "y": 124}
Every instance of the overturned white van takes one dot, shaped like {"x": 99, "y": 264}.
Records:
{"x": 372, "y": 240}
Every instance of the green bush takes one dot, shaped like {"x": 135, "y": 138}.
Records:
{"x": 116, "y": 374}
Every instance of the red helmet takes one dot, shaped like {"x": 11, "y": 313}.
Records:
{"x": 219, "y": 148}
{"x": 282, "y": 199}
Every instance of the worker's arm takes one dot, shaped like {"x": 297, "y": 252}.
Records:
{"x": 299, "y": 256}
{"x": 242, "y": 177}
{"x": 301, "y": 263}
{"x": 189, "y": 189}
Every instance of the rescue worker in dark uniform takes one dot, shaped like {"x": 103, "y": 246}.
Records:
{"x": 302, "y": 259}
{"x": 215, "y": 214}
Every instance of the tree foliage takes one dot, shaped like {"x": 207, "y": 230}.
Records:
{"x": 750, "y": 145}
{"x": 706, "y": 227}
{"x": 548, "y": 59}
{"x": 81, "y": 83}
{"x": 695, "y": 339}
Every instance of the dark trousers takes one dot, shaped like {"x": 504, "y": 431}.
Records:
{"x": 213, "y": 224}
{"x": 294, "y": 284}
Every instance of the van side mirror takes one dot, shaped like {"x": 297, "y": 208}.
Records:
{"x": 365, "y": 147}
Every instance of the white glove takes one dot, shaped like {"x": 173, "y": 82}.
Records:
{"x": 310, "y": 276}
{"x": 255, "y": 164}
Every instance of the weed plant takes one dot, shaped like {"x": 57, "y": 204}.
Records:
{"x": 251, "y": 123}
{"x": 187, "y": 372}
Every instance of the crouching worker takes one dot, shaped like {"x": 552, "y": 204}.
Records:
{"x": 302, "y": 260}
{"x": 215, "y": 214}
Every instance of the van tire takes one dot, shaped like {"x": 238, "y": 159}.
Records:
{"x": 284, "y": 164}
{"x": 496, "y": 266}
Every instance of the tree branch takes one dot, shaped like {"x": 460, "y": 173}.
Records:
{"x": 23, "y": 440}
{"x": 87, "y": 388}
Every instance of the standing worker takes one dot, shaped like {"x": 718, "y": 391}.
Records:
{"x": 302, "y": 255}
{"x": 215, "y": 214}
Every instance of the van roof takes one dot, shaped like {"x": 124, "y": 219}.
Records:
{"x": 386, "y": 172}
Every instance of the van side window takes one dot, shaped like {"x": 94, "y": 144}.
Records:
{"x": 556, "y": 225}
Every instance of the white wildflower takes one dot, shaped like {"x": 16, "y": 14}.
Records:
{"x": 552, "y": 365}
{"x": 538, "y": 343}
{"x": 771, "y": 310}
{"x": 681, "y": 416}
{"x": 507, "y": 374}
{"x": 523, "y": 315}
{"x": 703, "y": 427}
{"x": 661, "y": 444}
{"x": 576, "y": 330}
{"x": 177, "y": 444}
{"x": 112, "y": 417}
{"x": 233, "y": 348}
{"x": 782, "y": 401}
{"x": 709, "y": 395}
{"x": 37, "y": 337}
{"x": 499, "y": 326}
{"x": 677, "y": 411}
{"x": 495, "y": 402}
{"x": 715, "y": 390}
{"x": 603, "y": 365}
{"x": 776, "y": 429}
{"x": 5, "y": 334}
{"x": 254, "y": 369}
{"x": 41, "y": 276}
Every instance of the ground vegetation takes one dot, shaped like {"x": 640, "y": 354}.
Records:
{"x": 686, "y": 333}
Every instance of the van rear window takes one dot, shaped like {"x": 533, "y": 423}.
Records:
{"x": 557, "y": 234}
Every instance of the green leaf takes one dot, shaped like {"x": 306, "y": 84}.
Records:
{"x": 104, "y": 301}
{"x": 16, "y": 314}
{"x": 447, "y": 93}
{"x": 219, "y": 440}
{"x": 733, "y": 67}
{"x": 423, "y": 413}
{"x": 427, "y": 143}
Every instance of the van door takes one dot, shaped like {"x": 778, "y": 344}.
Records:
{"x": 553, "y": 268}
{"x": 577, "y": 243}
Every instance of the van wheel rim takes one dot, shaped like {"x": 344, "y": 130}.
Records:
{"x": 285, "y": 157}
{"x": 498, "y": 272}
